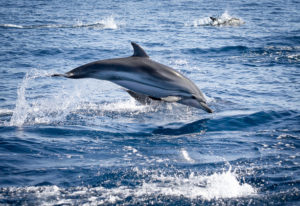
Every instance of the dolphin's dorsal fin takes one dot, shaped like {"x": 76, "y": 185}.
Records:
{"x": 213, "y": 18}
{"x": 138, "y": 51}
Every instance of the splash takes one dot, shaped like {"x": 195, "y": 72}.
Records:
{"x": 215, "y": 186}
{"x": 105, "y": 23}
{"x": 109, "y": 23}
{"x": 186, "y": 156}
{"x": 20, "y": 112}
{"x": 5, "y": 112}
{"x": 222, "y": 185}
{"x": 35, "y": 108}
{"x": 12, "y": 26}
{"x": 224, "y": 20}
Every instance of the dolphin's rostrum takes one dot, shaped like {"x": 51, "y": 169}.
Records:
{"x": 144, "y": 79}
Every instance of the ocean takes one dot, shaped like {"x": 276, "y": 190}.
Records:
{"x": 87, "y": 142}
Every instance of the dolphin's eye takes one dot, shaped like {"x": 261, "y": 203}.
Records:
{"x": 193, "y": 97}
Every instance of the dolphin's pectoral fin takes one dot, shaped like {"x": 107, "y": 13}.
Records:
{"x": 138, "y": 51}
{"x": 145, "y": 99}
{"x": 141, "y": 98}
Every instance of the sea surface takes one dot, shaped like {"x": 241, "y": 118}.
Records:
{"x": 87, "y": 142}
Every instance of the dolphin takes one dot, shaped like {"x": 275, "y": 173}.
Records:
{"x": 225, "y": 21}
{"x": 144, "y": 79}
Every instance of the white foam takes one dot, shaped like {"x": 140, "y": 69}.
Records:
{"x": 224, "y": 20}
{"x": 295, "y": 57}
{"x": 5, "y": 111}
{"x": 132, "y": 149}
{"x": 209, "y": 99}
{"x": 186, "y": 155}
{"x": 106, "y": 23}
{"x": 109, "y": 23}
{"x": 215, "y": 186}
{"x": 127, "y": 105}
{"x": 21, "y": 110}
{"x": 202, "y": 22}
{"x": 181, "y": 62}
{"x": 34, "y": 108}
{"x": 12, "y": 26}
{"x": 207, "y": 187}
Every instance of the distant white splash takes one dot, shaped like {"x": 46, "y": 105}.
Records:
{"x": 224, "y": 20}
{"x": 194, "y": 186}
{"x": 105, "y": 23}
{"x": 12, "y": 26}
{"x": 109, "y": 23}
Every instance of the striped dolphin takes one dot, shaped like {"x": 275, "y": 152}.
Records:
{"x": 144, "y": 79}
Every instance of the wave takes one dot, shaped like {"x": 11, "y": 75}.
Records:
{"x": 228, "y": 121}
{"x": 222, "y": 50}
{"x": 106, "y": 23}
{"x": 4, "y": 112}
{"x": 154, "y": 186}
{"x": 269, "y": 54}
{"x": 224, "y": 20}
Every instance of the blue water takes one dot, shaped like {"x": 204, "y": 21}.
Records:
{"x": 87, "y": 142}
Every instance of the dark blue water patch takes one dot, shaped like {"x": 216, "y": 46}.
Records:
{"x": 272, "y": 49}
{"x": 194, "y": 127}
{"x": 252, "y": 4}
{"x": 18, "y": 146}
{"x": 14, "y": 53}
{"x": 228, "y": 123}
{"x": 47, "y": 52}
{"x": 154, "y": 44}
{"x": 227, "y": 49}
{"x": 268, "y": 56}
{"x": 12, "y": 73}
{"x": 294, "y": 40}
{"x": 64, "y": 132}
{"x": 62, "y": 176}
